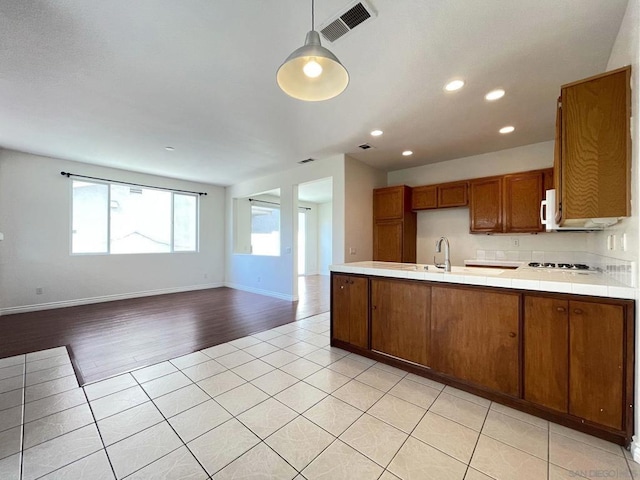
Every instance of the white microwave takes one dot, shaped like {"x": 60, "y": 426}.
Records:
{"x": 548, "y": 218}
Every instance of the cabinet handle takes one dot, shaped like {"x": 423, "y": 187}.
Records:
{"x": 577, "y": 311}
{"x": 512, "y": 334}
{"x": 374, "y": 308}
{"x": 561, "y": 309}
{"x": 341, "y": 287}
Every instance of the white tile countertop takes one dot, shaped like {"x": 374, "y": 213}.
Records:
{"x": 546, "y": 280}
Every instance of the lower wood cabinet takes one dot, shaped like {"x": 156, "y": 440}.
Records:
{"x": 400, "y": 319}
{"x": 574, "y": 358}
{"x": 568, "y": 358}
{"x": 474, "y": 336}
{"x": 350, "y": 309}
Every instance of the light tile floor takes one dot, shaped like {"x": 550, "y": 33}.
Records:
{"x": 279, "y": 404}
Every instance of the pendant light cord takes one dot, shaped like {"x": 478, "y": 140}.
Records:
{"x": 313, "y": 20}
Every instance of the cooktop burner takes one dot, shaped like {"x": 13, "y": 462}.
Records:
{"x": 564, "y": 266}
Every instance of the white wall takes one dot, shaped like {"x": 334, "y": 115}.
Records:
{"x": 274, "y": 275}
{"x": 360, "y": 181}
{"x": 35, "y": 211}
{"x": 454, "y": 222}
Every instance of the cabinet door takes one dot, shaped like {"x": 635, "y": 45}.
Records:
{"x": 596, "y": 147}
{"x": 359, "y": 312}
{"x": 486, "y": 205}
{"x": 340, "y": 310}
{"x": 596, "y": 362}
{"x": 388, "y": 241}
{"x": 522, "y": 196}
{"x": 452, "y": 195}
{"x": 474, "y": 336}
{"x": 546, "y": 352}
{"x": 400, "y": 319}
{"x": 425, "y": 197}
{"x": 349, "y": 309}
{"x": 389, "y": 202}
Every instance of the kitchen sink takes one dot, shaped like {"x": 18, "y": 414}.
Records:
{"x": 455, "y": 270}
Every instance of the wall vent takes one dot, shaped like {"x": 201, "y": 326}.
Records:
{"x": 339, "y": 25}
{"x": 308, "y": 160}
{"x": 365, "y": 146}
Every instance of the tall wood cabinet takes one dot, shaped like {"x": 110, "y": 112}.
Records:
{"x": 400, "y": 319}
{"x": 475, "y": 336}
{"x": 574, "y": 355}
{"x": 394, "y": 225}
{"x": 350, "y": 309}
{"x": 593, "y": 148}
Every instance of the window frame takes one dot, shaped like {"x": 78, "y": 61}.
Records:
{"x": 173, "y": 193}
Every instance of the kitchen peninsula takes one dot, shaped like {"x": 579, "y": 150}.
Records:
{"x": 556, "y": 346}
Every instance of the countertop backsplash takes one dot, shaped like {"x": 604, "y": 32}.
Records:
{"x": 622, "y": 271}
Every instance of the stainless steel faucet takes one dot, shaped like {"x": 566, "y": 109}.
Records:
{"x": 447, "y": 258}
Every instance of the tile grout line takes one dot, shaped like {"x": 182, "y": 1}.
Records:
{"x": 166, "y": 420}
{"x": 484, "y": 421}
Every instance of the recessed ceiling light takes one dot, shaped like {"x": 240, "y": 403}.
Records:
{"x": 494, "y": 94}
{"x": 454, "y": 85}
{"x": 376, "y": 133}
{"x": 169, "y": 149}
{"x": 508, "y": 129}
{"x": 406, "y": 153}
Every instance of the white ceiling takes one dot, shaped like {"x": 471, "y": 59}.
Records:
{"x": 114, "y": 82}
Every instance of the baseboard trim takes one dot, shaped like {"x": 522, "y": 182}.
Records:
{"x": 268, "y": 293}
{"x": 104, "y": 298}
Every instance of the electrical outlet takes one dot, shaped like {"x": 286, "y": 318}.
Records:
{"x": 39, "y": 290}
{"x": 611, "y": 242}
{"x": 352, "y": 251}
{"x": 623, "y": 242}
{"x": 206, "y": 275}
{"x": 515, "y": 242}
{"x": 258, "y": 279}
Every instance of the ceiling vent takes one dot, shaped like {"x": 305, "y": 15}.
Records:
{"x": 354, "y": 14}
{"x": 365, "y": 146}
{"x": 308, "y": 160}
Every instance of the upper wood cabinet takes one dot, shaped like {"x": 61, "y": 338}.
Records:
{"x": 522, "y": 196}
{"x": 350, "y": 309}
{"x": 508, "y": 203}
{"x": 394, "y": 225}
{"x": 444, "y": 195}
{"x": 475, "y": 337}
{"x": 593, "y": 148}
{"x": 400, "y": 319}
{"x": 485, "y": 210}
{"x": 391, "y": 203}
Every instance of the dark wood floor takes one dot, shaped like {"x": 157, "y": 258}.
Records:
{"x": 113, "y": 337}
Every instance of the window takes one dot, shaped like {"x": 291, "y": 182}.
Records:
{"x": 114, "y": 218}
{"x": 265, "y": 229}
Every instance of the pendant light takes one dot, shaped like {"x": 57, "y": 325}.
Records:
{"x": 312, "y": 73}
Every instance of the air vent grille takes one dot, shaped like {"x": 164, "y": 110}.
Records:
{"x": 307, "y": 160}
{"x": 334, "y": 30}
{"x": 346, "y": 20}
{"x": 355, "y": 16}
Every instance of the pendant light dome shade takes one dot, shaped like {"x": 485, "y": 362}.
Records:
{"x": 312, "y": 73}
